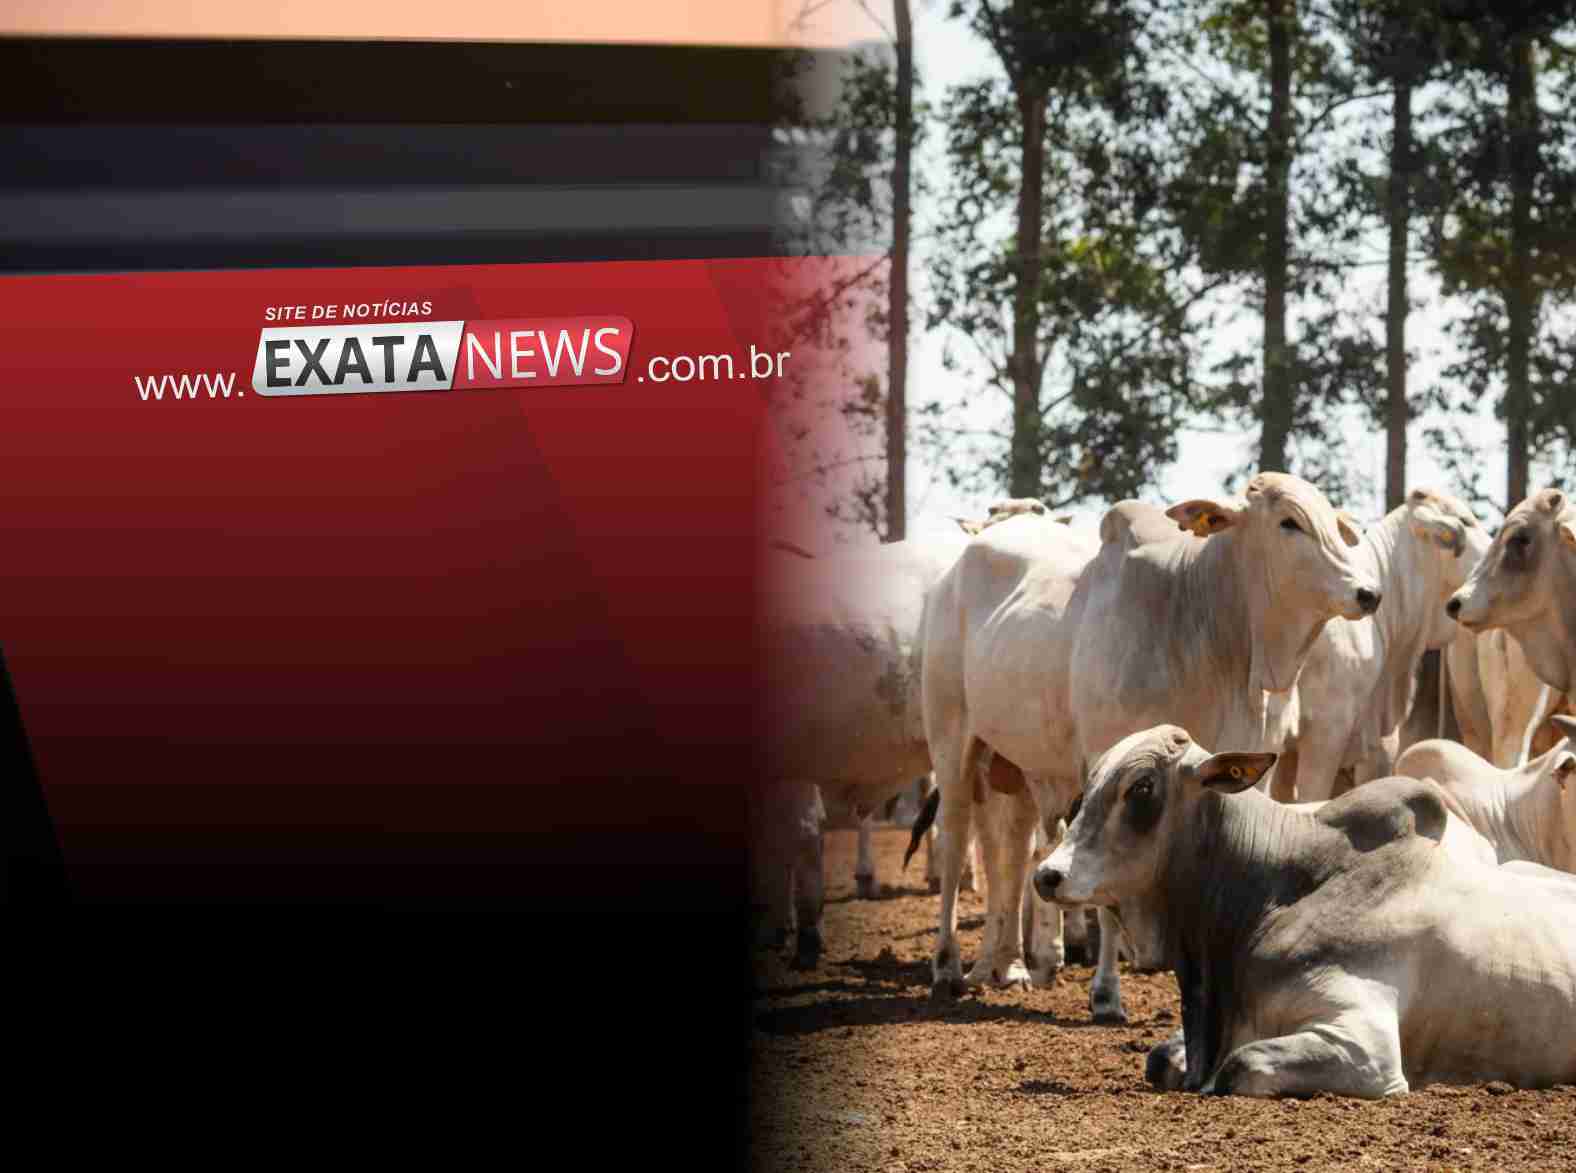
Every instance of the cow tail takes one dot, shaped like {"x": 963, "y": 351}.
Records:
{"x": 927, "y": 816}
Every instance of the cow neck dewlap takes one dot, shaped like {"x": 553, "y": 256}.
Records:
{"x": 1209, "y": 625}
{"x": 1549, "y": 640}
{"x": 1281, "y": 642}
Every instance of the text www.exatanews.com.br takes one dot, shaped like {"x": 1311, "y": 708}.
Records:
{"x": 355, "y": 373}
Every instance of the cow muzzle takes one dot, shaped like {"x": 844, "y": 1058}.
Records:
{"x": 1046, "y": 883}
{"x": 1459, "y": 607}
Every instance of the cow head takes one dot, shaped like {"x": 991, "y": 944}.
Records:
{"x": 1000, "y": 511}
{"x": 1293, "y": 555}
{"x": 1140, "y": 791}
{"x": 1446, "y": 522}
{"x": 1526, "y": 583}
{"x": 1446, "y": 528}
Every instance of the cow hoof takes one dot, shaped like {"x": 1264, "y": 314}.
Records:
{"x": 1013, "y": 977}
{"x": 1044, "y": 979}
{"x": 935, "y": 885}
{"x": 865, "y": 887}
{"x": 1017, "y": 978}
{"x": 948, "y": 988}
{"x": 1107, "y": 1009}
{"x": 807, "y": 953}
{"x": 1166, "y": 1067}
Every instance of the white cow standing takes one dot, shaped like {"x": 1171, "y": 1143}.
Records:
{"x": 1526, "y": 584}
{"x": 1527, "y": 812}
{"x": 1356, "y": 686}
{"x": 842, "y": 729}
{"x": 1047, "y": 650}
{"x": 1345, "y": 950}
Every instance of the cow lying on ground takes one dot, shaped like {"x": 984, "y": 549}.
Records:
{"x": 1343, "y": 951}
{"x": 1527, "y": 813}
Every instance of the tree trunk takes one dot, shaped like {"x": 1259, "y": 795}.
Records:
{"x": 1400, "y": 212}
{"x": 1276, "y": 406}
{"x": 1520, "y": 296}
{"x": 897, "y": 313}
{"x": 1025, "y": 473}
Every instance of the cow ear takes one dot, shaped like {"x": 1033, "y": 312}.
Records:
{"x": 1232, "y": 773}
{"x": 1565, "y": 770}
{"x": 1567, "y": 532}
{"x": 1201, "y": 517}
{"x": 1351, "y": 529}
{"x": 1566, "y": 725}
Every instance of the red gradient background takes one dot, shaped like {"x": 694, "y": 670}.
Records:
{"x": 377, "y": 646}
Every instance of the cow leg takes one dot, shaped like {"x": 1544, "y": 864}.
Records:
{"x": 1353, "y": 1056}
{"x": 1105, "y": 993}
{"x": 954, "y": 774}
{"x": 1082, "y": 945}
{"x": 777, "y": 819}
{"x": 1380, "y": 763}
{"x": 970, "y": 863}
{"x": 809, "y": 898}
{"x": 1320, "y": 751}
{"x": 1044, "y": 948}
{"x": 1283, "y": 781}
{"x": 865, "y": 867}
{"x": 1009, "y": 821}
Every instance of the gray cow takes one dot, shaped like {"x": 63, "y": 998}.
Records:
{"x": 1344, "y": 950}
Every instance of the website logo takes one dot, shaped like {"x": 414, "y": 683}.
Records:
{"x": 441, "y": 356}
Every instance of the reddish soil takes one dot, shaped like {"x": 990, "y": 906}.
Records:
{"x": 854, "y": 1069}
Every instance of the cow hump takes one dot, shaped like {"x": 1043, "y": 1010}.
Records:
{"x": 1386, "y": 810}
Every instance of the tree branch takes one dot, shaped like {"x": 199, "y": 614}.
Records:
{"x": 1231, "y": 99}
{"x": 820, "y": 470}
{"x": 1332, "y": 107}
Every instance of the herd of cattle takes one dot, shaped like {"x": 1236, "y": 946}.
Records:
{"x": 1203, "y": 723}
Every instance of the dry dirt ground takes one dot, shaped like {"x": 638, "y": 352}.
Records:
{"x": 853, "y": 1069}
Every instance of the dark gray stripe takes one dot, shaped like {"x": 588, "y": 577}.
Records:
{"x": 179, "y": 217}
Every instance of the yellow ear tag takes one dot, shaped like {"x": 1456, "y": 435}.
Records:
{"x": 1204, "y": 525}
{"x": 1236, "y": 772}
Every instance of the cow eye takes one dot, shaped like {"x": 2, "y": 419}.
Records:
{"x": 1142, "y": 789}
{"x": 1522, "y": 540}
{"x": 1291, "y": 525}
